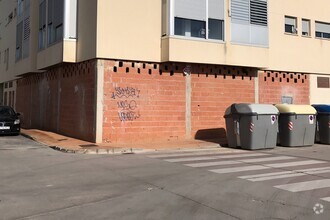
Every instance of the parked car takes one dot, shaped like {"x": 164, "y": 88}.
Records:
{"x": 9, "y": 121}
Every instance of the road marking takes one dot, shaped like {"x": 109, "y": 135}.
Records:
{"x": 196, "y": 153}
{"x": 305, "y": 186}
{"x": 266, "y": 166}
{"x": 298, "y": 163}
{"x": 277, "y": 177}
{"x": 239, "y": 169}
{"x": 326, "y": 199}
{"x": 186, "y": 159}
{"x": 209, "y": 164}
{"x": 305, "y": 171}
{"x": 266, "y": 159}
{"x": 229, "y": 162}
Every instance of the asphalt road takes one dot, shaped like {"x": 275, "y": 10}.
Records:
{"x": 37, "y": 182}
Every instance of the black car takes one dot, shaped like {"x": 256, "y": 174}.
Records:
{"x": 9, "y": 121}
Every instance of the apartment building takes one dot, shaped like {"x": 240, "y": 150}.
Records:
{"x": 150, "y": 70}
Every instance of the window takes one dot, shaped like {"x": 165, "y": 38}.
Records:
{"x": 199, "y": 19}
{"x": 42, "y": 25}
{"x": 290, "y": 25}
{"x": 323, "y": 82}
{"x": 322, "y": 30}
{"x": 19, "y": 40}
{"x": 164, "y": 18}
{"x": 249, "y": 22}
{"x": 19, "y": 7}
{"x": 306, "y": 31}
{"x": 6, "y": 60}
{"x": 23, "y": 30}
{"x": 55, "y": 21}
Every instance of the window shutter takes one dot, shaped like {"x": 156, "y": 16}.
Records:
{"x": 240, "y": 10}
{"x": 216, "y": 9}
{"x": 290, "y": 21}
{"x": 19, "y": 34}
{"x": 259, "y": 12}
{"x": 19, "y": 40}
{"x": 305, "y": 26}
{"x": 190, "y": 9}
{"x": 322, "y": 27}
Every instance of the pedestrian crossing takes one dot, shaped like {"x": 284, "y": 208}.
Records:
{"x": 258, "y": 167}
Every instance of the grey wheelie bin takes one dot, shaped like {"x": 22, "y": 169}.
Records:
{"x": 297, "y": 124}
{"x": 323, "y": 123}
{"x": 251, "y": 126}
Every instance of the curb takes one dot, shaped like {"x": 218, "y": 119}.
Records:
{"x": 112, "y": 151}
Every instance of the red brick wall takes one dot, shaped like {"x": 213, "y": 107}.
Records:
{"x": 61, "y": 100}
{"x": 214, "y": 88}
{"x": 142, "y": 103}
{"x": 147, "y": 102}
{"x": 273, "y": 85}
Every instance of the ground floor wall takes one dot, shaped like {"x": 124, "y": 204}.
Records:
{"x": 320, "y": 89}
{"x": 61, "y": 100}
{"x": 128, "y": 102}
{"x": 283, "y": 87}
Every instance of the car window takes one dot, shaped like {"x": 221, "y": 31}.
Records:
{"x": 5, "y": 111}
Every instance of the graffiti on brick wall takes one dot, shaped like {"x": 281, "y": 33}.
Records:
{"x": 128, "y": 92}
{"x": 127, "y": 103}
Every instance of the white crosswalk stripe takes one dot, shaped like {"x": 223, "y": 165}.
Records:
{"x": 265, "y": 166}
{"x": 305, "y": 186}
{"x": 187, "y": 159}
{"x": 239, "y": 161}
{"x": 217, "y": 163}
{"x": 285, "y": 174}
{"x": 196, "y": 153}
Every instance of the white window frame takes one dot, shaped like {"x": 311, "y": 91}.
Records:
{"x": 308, "y": 21}
{"x": 322, "y": 32}
{"x": 171, "y": 23}
{"x": 294, "y": 29}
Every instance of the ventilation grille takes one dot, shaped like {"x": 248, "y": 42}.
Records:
{"x": 258, "y": 12}
{"x": 240, "y": 10}
{"x": 27, "y": 29}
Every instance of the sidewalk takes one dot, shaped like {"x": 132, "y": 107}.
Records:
{"x": 72, "y": 145}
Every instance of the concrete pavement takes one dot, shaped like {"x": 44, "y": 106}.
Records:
{"x": 39, "y": 183}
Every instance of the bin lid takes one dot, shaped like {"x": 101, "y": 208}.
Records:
{"x": 252, "y": 109}
{"x": 296, "y": 109}
{"x": 322, "y": 108}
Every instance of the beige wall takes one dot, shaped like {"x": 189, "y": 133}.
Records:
{"x": 319, "y": 95}
{"x": 294, "y": 52}
{"x": 202, "y": 51}
{"x": 86, "y": 29}
{"x": 8, "y": 39}
{"x": 129, "y": 29}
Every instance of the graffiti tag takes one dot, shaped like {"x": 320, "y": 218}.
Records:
{"x": 126, "y": 92}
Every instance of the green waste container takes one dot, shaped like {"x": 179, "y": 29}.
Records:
{"x": 251, "y": 126}
{"x": 323, "y": 123}
{"x": 297, "y": 124}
